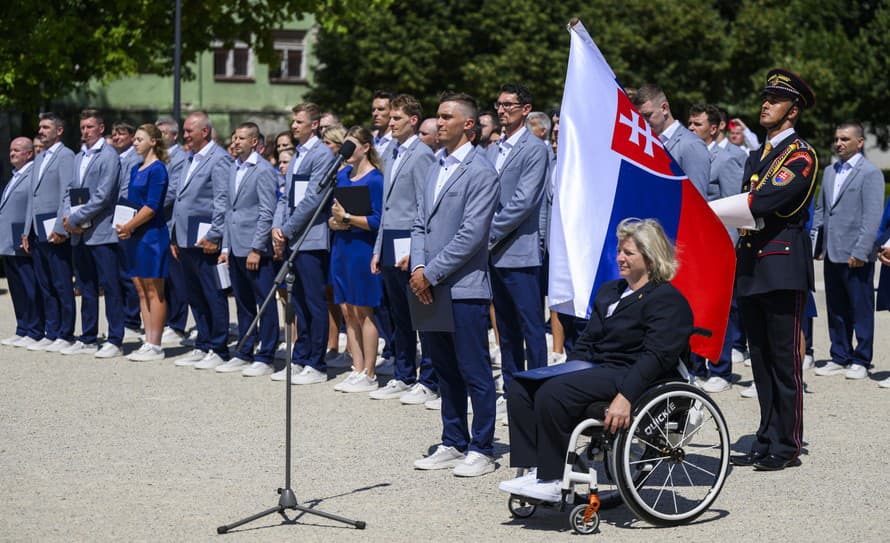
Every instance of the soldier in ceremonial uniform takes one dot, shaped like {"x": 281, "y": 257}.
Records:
{"x": 775, "y": 270}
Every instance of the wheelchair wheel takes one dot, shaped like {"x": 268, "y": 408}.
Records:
{"x": 579, "y": 525}
{"x": 520, "y": 508}
{"x": 672, "y": 461}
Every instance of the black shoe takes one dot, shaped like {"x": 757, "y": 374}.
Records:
{"x": 776, "y": 463}
{"x": 748, "y": 459}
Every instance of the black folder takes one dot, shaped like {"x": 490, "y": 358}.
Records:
{"x": 42, "y": 233}
{"x": 388, "y": 255}
{"x": 355, "y": 200}
{"x": 78, "y": 197}
{"x": 434, "y": 317}
{"x": 290, "y": 192}
{"x": 18, "y": 228}
{"x": 192, "y": 233}
{"x": 542, "y": 374}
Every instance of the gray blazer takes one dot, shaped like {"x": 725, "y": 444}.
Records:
{"x": 176, "y": 160}
{"x": 127, "y": 170}
{"x": 850, "y": 225}
{"x": 293, "y": 221}
{"x": 251, "y": 208}
{"x": 726, "y": 173}
{"x": 204, "y": 194}
{"x": 102, "y": 178}
{"x": 48, "y": 191}
{"x": 13, "y": 211}
{"x": 450, "y": 234}
{"x": 692, "y": 155}
{"x": 515, "y": 229}
{"x": 403, "y": 189}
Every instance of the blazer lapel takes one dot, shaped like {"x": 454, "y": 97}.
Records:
{"x": 395, "y": 173}
{"x": 461, "y": 169}
{"x": 634, "y": 297}
{"x": 248, "y": 175}
{"x": 49, "y": 162}
{"x": 847, "y": 182}
{"x": 201, "y": 163}
{"x": 828, "y": 186}
{"x": 515, "y": 150}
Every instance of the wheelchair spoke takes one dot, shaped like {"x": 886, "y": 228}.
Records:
{"x": 688, "y": 478}
{"x": 698, "y": 468}
{"x": 651, "y": 446}
{"x": 703, "y": 448}
{"x": 646, "y": 460}
{"x": 685, "y": 439}
{"x": 663, "y": 486}
{"x": 654, "y": 469}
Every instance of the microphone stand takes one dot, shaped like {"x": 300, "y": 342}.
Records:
{"x": 288, "y": 499}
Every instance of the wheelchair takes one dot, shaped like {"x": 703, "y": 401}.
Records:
{"x": 668, "y": 466}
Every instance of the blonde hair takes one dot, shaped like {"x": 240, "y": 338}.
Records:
{"x": 154, "y": 133}
{"x": 335, "y": 134}
{"x": 364, "y": 137}
{"x": 653, "y": 244}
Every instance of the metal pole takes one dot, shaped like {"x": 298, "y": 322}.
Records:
{"x": 177, "y": 62}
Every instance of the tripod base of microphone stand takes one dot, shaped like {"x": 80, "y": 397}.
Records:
{"x": 288, "y": 500}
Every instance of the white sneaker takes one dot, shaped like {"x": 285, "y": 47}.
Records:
{"x": 54, "y": 347}
{"x": 353, "y": 375}
{"x": 26, "y": 342}
{"x": 494, "y": 352}
{"x": 750, "y": 392}
{"x": 748, "y": 362}
{"x": 856, "y": 371}
{"x": 132, "y": 333}
{"x": 885, "y": 383}
{"x": 474, "y": 465}
{"x": 418, "y": 395}
{"x": 500, "y": 408}
{"x": 79, "y": 347}
{"x": 434, "y": 405}
{"x": 40, "y": 345}
{"x": 513, "y": 485}
{"x": 442, "y": 458}
{"x": 808, "y": 362}
{"x": 362, "y": 383}
{"x": 171, "y": 337}
{"x": 190, "y": 359}
{"x": 109, "y": 350}
{"x": 715, "y": 384}
{"x": 342, "y": 360}
{"x": 257, "y": 369}
{"x": 281, "y": 375}
{"x": 831, "y": 368}
{"x": 234, "y": 365}
{"x": 309, "y": 376}
{"x": 147, "y": 353}
{"x": 12, "y": 340}
{"x": 209, "y": 362}
{"x": 385, "y": 366}
{"x": 381, "y": 344}
{"x": 738, "y": 356}
{"x": 393, "y": 389}
{"x": 546, "y": 491}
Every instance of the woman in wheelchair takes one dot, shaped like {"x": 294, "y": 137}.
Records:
{"x": 638, "y": 329}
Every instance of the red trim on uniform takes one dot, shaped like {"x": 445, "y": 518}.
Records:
{"x": 797, "y": 361}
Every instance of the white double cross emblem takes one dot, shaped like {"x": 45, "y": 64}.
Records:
{"x": 639, "y": 127}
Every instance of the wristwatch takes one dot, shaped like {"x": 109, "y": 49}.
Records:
{"x": 346, "y": 218}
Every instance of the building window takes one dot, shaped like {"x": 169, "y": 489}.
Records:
{"x": 291, "y": 67}
{"x": 234, "y": 64}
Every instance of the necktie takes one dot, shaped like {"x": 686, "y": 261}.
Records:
{"x": 767, "y": 149}
{"x": 395, "y": 153}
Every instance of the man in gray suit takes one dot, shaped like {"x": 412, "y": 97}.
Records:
{"x": 247, "y": 249}
{"x": 725, "y": 179}
{"x": 88, "y": 208}
{"x": 17, "y": 264}
{"x": 201, "y": 199}
{"x": 522, "y": 161}
{"x": 51, "y": 247}
{"x": 449, "y": 257}
{"x": 406, "y": 163}
{"x": 122, "y": 133}
{"x": 688, "y": 150}
{"x": 848, "y": 210}
{"x": 305, "y": 173}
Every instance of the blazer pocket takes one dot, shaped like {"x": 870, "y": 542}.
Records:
{"x": 775, "y": 247}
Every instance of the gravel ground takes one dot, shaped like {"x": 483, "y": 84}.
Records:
{"x": 94, "y": 450}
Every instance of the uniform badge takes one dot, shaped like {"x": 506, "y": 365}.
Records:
{"x": 783, "y": 177}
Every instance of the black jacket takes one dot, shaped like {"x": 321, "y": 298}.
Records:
{"x": 647, "y": 332}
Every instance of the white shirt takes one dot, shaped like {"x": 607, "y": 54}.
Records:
{"x": 448, "y": 164}
{"x": 16, "y": 174}
{"x": 843, "y": 170}
{"x": 505, "y": 146}
{"x": 669, "y": 131}
{"x": 88, "y": 156}
{"x": 400, "y": 152}
{"x": 242, "y": 168}
{"x": 300, "y": 152}
{"x": 382, "y": 142}
{"x": 198, "y": 157}
{"x": 611, "y": 309}
{"x": 129, "y": 151}
{"x": 780, "y": 137}
{"x": 47, "y": 154}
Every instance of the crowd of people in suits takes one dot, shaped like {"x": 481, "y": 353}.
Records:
{"x": 459, "y": 208}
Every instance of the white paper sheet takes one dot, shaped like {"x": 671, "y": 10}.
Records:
{"x": 886, "y": 244}
{"x": 84, "y": 224}
{"x": 203, "y": 228}
{"x": 299, "y": 191}
{"x": 222, "y": 272}
{"x": 733, "y": 211}
{"x": 48, "y": 226}
{"x": 401, "y": 247}
{"x": 122, "y": 215}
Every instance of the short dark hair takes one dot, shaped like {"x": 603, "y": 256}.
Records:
{"x": 251, "y": 127}
{"x": 521, "y": 91}
{"x": 53, "y": 118}
{"x": 310, "y": 109}
{"x": 709, "y": 110}
{"x": 855, "y": 125}
{"x": 649, "y": 92}
{"x": 92, "y": 114}
{"x": 495, "y": 122}
{"x": 464, "y": 99}
{"x": 724, "y": 115}
{"x": 385, "y": 94}
{"x": 125, "y": 126}
{"x": 408, "y": 104}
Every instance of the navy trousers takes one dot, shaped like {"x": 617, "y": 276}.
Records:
{"x": 175, "y": 291}
{"x": 463, "y": 366}
{"x": 773, "y": 322}
{"x": 52, "y": 265}
{"x": 251, "y": 288}
{"x": 132, "y": 311}
{"x": 99, "y": 266}
{"x": 519, "y": 309}
{"x": 572, "y": 328}
{"x": 311, "y": 308}
{"x": 384, "y": 319}
{"x": 850, "y": 300}
{"x": 209, "y": 303}
{"x": 25, "y": 294}
{"x": 395, "y": 283}
{"x": 704, "y": 368}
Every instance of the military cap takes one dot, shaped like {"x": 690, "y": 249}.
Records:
{"x": 782, "y": 82}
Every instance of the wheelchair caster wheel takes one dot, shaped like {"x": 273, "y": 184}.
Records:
{"x": 519, "y": 507}
{"x": 581, "y": 526}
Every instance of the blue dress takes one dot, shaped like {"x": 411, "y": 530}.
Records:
{"x": 148, "y": 250}
{"x": 882, "y": 302}
{"x": 351, "y": 250}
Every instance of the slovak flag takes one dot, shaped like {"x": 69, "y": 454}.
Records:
{"x": 610, "y": 166}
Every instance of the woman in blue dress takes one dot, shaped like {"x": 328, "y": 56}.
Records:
{"x": 356, "y": 289}
{"x": 146, "y": 240}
